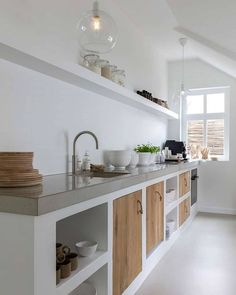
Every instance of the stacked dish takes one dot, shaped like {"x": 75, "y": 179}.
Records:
{"x": 16, "y": 170}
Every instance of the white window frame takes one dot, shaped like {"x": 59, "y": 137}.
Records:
{"x": 205, "y": 116}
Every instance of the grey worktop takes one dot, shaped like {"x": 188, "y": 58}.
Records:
{"x": 63, "y": 190}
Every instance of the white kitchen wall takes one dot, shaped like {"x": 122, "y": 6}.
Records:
{"x": 43, "y": 115}
{"x": 217, "y": 188}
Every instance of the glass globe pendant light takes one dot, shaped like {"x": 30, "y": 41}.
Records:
{"x": 97, "y": 31}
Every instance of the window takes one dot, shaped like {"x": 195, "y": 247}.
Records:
{"x": 206, "y": 119}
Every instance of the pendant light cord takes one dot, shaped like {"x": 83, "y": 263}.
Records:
{"x": 183, "y": 69}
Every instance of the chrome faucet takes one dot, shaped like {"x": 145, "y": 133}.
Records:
{"x": 74, "y": 146}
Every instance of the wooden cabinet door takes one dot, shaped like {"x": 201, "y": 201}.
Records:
{"x": 184, "y": 211}
{"x": 155, "y": 216}
{"x": 181, "y": 213}
{"x": 187, "y": 207}
{"x": 184, "y": 183}
{"x": 127, "y": 241}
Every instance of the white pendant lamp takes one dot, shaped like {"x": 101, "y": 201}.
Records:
{"x": 97, "y": 31}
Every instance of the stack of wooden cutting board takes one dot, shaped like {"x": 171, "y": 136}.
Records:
{"x": 16, "y": 170}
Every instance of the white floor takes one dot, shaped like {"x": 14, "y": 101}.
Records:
{"x": 201, "y": 262}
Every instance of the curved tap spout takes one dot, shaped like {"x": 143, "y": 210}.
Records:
{"x": 74, "y": 147}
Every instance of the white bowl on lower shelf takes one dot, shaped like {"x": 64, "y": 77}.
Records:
{"x": 85, "y": 289}
{"x": 86, "y": 248}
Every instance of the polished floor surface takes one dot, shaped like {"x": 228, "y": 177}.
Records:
{"x": 201, "y": 262}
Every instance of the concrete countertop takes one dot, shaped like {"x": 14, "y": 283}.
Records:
{"x": 63, "y": 190}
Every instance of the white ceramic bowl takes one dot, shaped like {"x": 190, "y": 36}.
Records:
{"x": 85, "y": 289}
{"x": 134, "y": 159}
{"x": 86, "y": 248}
{"x": 144, "y": 159}
{"x": 119, "y": 159}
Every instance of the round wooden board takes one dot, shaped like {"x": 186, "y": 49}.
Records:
{"x": 16, "y": 166}
{"x": 17, "y": 175}
{"x": 16, "y": 154}
{"x": 20, "y": 184}
{"x": 17, "y": 170}
{"x": 20, "y": 179}
{"x": 31, "y": 191}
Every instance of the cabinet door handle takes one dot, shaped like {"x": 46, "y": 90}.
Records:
{"x": 185, "y": 182}
{"x": 159, "y": 194}
{"x": 140, "y": 207}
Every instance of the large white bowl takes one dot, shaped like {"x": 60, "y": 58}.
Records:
{"x": 119, "y": 159}
{"x": 85, "y": 289}
{"x": 134, "y": 159}
{"x": 86, "y": 248}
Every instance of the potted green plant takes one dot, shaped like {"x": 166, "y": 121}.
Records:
{"x": 147, "y": 153}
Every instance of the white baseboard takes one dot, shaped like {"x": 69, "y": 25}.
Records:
{"x": 217, "y": 210}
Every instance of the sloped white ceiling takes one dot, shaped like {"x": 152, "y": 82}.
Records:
{"x": 209, "y": 24}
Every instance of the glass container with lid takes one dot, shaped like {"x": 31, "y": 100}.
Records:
{"x": 119, "y": 77}
{"x": 103, "y": 64}
{"x": 108, "y": 70}
{"x": 91, "y": 62}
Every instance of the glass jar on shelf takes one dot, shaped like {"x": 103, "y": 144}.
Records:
{"x": 108, "y": 70}
{"x": 119, "y": 77}
{"x": 91, "y": 62}
{"x": 103, "y": 64}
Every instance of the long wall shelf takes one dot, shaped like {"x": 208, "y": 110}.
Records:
{"x": 79, "y": 76}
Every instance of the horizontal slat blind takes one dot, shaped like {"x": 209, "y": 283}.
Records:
{"x": 195, "y": 132}
{"x": 215, "y": 136}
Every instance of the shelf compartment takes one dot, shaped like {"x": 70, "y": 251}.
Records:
{"x": 99, "y": 280}
{"x": 172, "y": 220}
{"x": 88, "y": 225}
{"x": 83, "y": 78}
{"x": 171, "y": 206}
{"x": 87, "y": 267}
{"x": 171, "y": 196}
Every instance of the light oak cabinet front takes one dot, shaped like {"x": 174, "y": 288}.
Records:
{"x": 127, "y": 240}
{"x": 184, "y": 210}
{"x": 184, "y": 183}
{"x": 155, "y": 216}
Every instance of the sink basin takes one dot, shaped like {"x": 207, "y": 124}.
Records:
{"x": 108, "y": 174}
{"x": 102, "y": 174}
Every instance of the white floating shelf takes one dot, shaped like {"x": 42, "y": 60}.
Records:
{"x": 83, "y": 78}
{"x": 87, "y": 267}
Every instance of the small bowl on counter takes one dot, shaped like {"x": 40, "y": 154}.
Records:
{"x": 86, "y": 248}
{"x": 119, "y": 159}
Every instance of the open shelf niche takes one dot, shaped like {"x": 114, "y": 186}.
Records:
{"x": 98, "y": 280}
{"x": 171, "y": 223}
{"x": 171, "y": 196}
{"x": 89, "y": 225}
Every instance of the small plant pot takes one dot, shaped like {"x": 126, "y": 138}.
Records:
{"x": 73, "y": 257}
{"x": 65, "y": 269}
{"x": 58, "y": 274}
{"x": 144, "y": 159}
{"x": 153, "y": 158}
